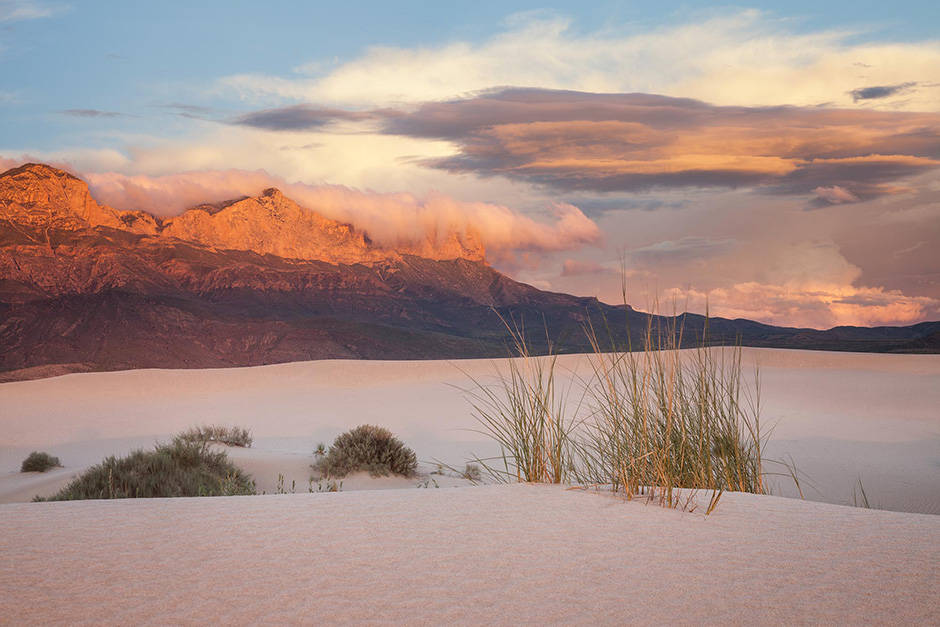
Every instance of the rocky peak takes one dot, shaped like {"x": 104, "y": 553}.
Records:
{"x": 38, "y": 171}
{"x": 271, "y": 223}
{"x": 40, "y": 195}
{"x": 274, "y": 224}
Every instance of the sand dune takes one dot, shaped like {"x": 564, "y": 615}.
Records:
{"x": 841, "y": 416}
{"x": 518, "y": 554}
{"x": 509, "y": 554}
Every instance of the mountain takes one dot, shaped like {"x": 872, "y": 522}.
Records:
{"x": 264, "y": 280}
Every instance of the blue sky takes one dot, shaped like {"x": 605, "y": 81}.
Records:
{"x": 130, "y": 56}
{"x": 779, "y": 159}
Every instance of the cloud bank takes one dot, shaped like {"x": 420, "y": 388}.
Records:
{"x": 756, "y": 60}
{"x": 388, "y": 218}
{"x": 633, "y": 142}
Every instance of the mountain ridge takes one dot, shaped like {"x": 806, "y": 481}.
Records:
{"x": 86, "y": 287}
{"x": 270, "y": 223}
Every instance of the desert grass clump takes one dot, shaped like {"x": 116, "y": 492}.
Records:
{"x": 370, "y": 448}
{"x": 231, "y": 436}
{"x": 527, "y": 415}
{"x": 39, "y": 462}
{"x": 661, "y": 421}
{"x": 668, "y": 422}
{"x": 181, "y": 468}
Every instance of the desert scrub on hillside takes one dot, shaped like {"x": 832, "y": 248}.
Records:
{"x": 369, "y": 448}
{"x": 181, "y": 468}
{"x": 39, "y": 462}
{"x": 232, "y": 436}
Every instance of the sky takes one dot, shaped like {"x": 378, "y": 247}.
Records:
{"x": 773, "y": 161}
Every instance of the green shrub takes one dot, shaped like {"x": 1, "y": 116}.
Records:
{"x": 39, "y": 462}
{"x": 182, "y": 468}
{"x": 369, "y": 448}
{"x": 232, "y": 436}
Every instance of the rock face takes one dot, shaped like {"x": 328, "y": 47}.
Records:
{"x": 42, "y": 196}
{"x": 263, "y": 280}
{"x": 271, "y": 224}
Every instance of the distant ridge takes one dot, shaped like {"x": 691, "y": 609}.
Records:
{"x": 261, "y": 280}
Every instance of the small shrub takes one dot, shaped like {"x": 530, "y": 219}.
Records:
{"x": 39, "y": 462}
{"x": 182, "y": 468}
{"x": 370, "y": 448}
{"x": 232, "y": 436}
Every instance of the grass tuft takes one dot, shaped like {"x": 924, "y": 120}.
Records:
{"x": 658, "y": 422}
{"x": 232, "y": 436}
{"x": 527, "y": 415}
{"x": 667, "y": 421}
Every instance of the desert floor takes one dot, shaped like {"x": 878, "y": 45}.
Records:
{"x": 840, "y": 417}
{"x": 494, "y": 554}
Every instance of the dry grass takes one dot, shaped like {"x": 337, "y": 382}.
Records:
{"x": 658, "y": 422}
{"x": 667, "y": 421}
{"x": 231, "y": 436}
{"x": 527, "y": 415}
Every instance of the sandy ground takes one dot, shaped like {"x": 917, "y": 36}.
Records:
{"x": 518, "y": 554}
{"x": 842, "y": 417}
{"x": 383, "y": 552}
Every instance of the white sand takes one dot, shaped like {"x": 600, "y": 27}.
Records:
{"x": 495, "y": 554}
{"x": 841, "y": 416}
{"x": 520, "y": 554}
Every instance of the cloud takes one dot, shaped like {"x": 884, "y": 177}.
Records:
{"x": 835, "y": 195}
{"x": 688, "y": 248}
{"x": 18, "y": 10}
{"x": 299, "y": 117}
{"x": 8, "y": 163}
{"x": 819, "y": 307}
{"x": 389, "y": 218}
{"x": 632, "y": 142}
{"x": 880, "y": 91}
{"x": 809, "y": 284}
{"x": 573, "y": 267}
{"x": 91, "y": 113}
{"x": 756, "y": 59}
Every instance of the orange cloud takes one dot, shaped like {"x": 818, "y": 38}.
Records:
{"x": 820, "y": 307}
{"x": 630, "y": 142}
{"x": 388, "y": 218}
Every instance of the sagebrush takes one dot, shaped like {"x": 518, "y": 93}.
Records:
{"x": 181, "y": 468}
{"x": 39, "y": 462}
{"x": 368, "y": 448}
